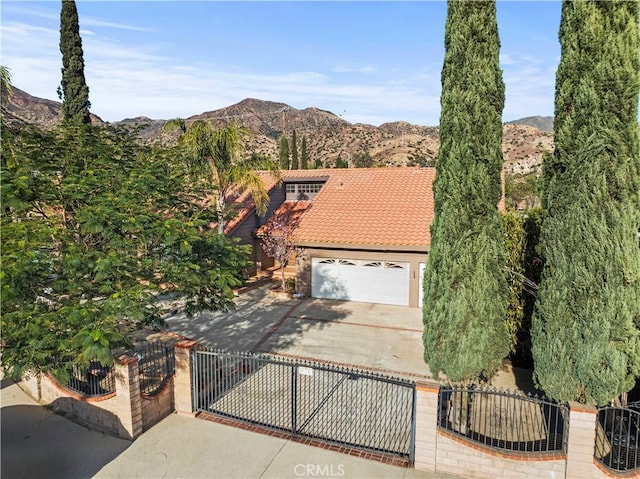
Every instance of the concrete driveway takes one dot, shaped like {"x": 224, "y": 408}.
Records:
{"x": 381, "y": 337}
{"x": 38, "y": 444}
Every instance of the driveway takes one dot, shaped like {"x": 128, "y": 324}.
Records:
{"x": 381, "y": 337}
{"x": 38, "y": 444}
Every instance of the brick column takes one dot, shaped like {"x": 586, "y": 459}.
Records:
{"x": 183, "y": 380}
{"x": 581, "y": 440}
{"x": 128, "y": 401}
{"x": 426, "y": 425}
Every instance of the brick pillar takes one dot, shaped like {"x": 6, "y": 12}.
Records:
{"x": 581, "y": 440}
{"x": 426, "y": 425}
{"x": 183, "y": 380}
{"x": 128, "y": 399}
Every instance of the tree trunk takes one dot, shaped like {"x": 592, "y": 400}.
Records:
{"x": 220, "y": 213}
{"x": 284, "y": 282}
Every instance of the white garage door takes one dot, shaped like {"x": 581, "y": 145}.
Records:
{"x": 385, "y": 282}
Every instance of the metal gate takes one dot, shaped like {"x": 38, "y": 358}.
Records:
{"x": 343, "y": 406}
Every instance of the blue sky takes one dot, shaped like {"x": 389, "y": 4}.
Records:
{"x": 369, "y": 62}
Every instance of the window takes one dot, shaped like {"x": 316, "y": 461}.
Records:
{"x": 346, "y": 262}
{"x": 395, "y": 265}
{"x": 297, "y": 191}
{"x": 373, "y": 264}
{"x": 327, "y": 261}
{"x": 309, "y": 187}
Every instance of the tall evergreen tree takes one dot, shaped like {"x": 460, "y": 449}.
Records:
{"x": 585, "y": 326}
{"x": 73, "y": 90}
{"x": 304, "y": 155}
{"x": 6, "y": 90}
{"x": 283, "y": 153}
{"x": 465, "y": 333}
{"x": 294, "y": 151}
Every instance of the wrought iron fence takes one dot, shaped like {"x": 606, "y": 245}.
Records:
{"x": 618, "y": 437}
{"x": 93, "y": 380}
{"x": 316, "y": 400}
{"x": 503, "y": 419}
{"x": 156, "y": 364}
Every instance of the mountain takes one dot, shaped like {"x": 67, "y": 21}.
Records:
{"x": 329, "y": 137}
{"x": 544, "y": 123}
{"x": 24, "y": 108}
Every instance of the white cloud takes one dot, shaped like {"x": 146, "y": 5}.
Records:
{"x": 530, "y": 87}
{"x": 366, "y": 69}
{"x": 144, "y": 79}
{"x": 94, "y": 22}
{"x": 33, "y": 10}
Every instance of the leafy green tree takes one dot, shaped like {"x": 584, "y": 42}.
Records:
{"x": 304, "y": 155}
{"x": 340, "y": 163}
{"x": 96, "y": 229}
{"x": 73, "y": 90}
{"x": 294, "y": 151}
{"x": 318, "y": 164}
{"x": 283, "y": 153}
{"x": 418, "y": 157}
{"x": 586, "y": 345}
{"x": 522, "y": 191}
{"x": 219, "y": 155}
{"x": 465, "y": 298}
{"x": 362, "y": 159}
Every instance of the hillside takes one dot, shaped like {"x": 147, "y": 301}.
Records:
{"x": 544, "y": 123}
{"x": 328, "y": 136}
{"x": 24, "y": 108}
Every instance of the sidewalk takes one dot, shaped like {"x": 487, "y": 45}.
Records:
{"x": 37, "y": 443}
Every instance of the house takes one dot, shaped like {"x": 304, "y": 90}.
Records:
{"x": 365, "y": 231}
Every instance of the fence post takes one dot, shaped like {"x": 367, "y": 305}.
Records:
{"x": 129, "y": 408}
{"x": 294, "y": 398}
{"x": 183, "y": 381}
{"x": 426, "y": 425}
{"x": 581, "y": 440}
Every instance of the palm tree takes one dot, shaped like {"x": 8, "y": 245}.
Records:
{"x": 219, "y": 153}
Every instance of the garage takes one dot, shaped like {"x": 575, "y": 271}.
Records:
{"x": 368, "y": 281}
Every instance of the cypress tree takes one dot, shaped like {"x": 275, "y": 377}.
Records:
{"x": 465, "y": 332}
{"x": 304, "y": 155}
{"x": 283, "y": 153}
{"x": 585, "y": 325}
{"x": 294, "y": 151}
{"x": 73, "y": 90}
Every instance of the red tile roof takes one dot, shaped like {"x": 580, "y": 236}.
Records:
{"x": 377, "y": 208}
{"x": 291, "y": 210}
{"x": 367, "y": 207}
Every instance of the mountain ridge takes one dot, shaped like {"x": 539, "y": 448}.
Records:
{"x": 329, "y": 136}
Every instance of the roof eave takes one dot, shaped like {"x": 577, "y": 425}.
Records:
{"x": 417, "y": 248}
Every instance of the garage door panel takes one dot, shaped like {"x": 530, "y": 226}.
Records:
{"x": 326, "y": 283}
{"x": 361, "y": 280}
